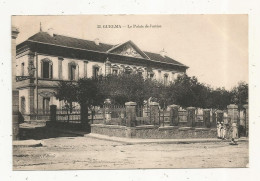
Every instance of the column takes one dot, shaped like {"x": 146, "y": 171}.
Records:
{"x": 60, "y": 59}
{"x": 174, "y": 115}
{"x": 85, "y": 69}
{"x": 246, "y": 118}
{"x": 31, "y": 102}
{"x": 53, "y": 109}
{"x": 130, "y": 114}
{"x": 108, "y": 67}
{"x": 154, "y": 111}
{"x": 191, "y": 116}
{"x": 206, "y": 118}
{"x": 233, "y": 114}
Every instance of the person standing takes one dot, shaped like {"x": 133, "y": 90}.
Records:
{"x": 219, "y": 130}
{"x": 234, "y": 137}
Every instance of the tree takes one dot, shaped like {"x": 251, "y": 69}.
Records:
{"x": 85, "y": 92}
{"x": 240, "y": 94}
{"x": 66, "y": 92}
{"x": 123, "y": 88}
{"x": 186, "y": 91}
{"x": 220, "y": 98}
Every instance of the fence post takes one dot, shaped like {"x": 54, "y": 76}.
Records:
{"x": 233, "y": 114}
{"x": 84, "y": 114}
{"x": 154, "y": 112}
{"x": 130, "y": 114}
{"x": 206, "y": 118}
{"x": 246, "y": 118}
{"x": 174, "y": 115}
{"x": 191, "y": 116}
{"x": 53, "y": 109}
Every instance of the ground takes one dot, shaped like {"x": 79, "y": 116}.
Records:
{"x": 91, "y": 153}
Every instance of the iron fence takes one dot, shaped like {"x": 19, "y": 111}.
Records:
{"x": 114, "y": 114}
{"x": 143, "y": 115}
{"x": 164, "y": 117}
{"x": 68, "y": 116}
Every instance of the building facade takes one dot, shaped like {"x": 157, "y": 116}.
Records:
{"x": 45, "y": 59}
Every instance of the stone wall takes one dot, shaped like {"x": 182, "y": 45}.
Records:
{"x": 109, "y": 130}
{"x": 154, "y": 132}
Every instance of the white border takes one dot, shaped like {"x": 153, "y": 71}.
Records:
{"x": 60, "y": 7}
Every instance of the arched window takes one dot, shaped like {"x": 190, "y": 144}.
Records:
{"x": 96, "y": 71}
{"x": 115, "y": 69}
{"x": 72, "y": 71}
{"x": 140, "y": 71}
{"x": 46, "y": 105}
{"x": 166, "y": 79}
{"x": 151, "y": 74}
{"x": 46, "y": 68}
{"x": 128, "y": 70}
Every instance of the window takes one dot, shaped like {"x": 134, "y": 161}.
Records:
{"x": 22, "y": 105}
{"x": 95, "y": 72}
{"x": 128, "y": 70}
{"x": 173, "y": 76}
{"x": 140, "y": 71}
{"x": 160, "y": 75}
{"x": 72, "y": 72}
{"x": 22, "y": 69}
{"x": 46, "y": 104}
{"x": 46, "y": 69}
{"x": 165, "y": 79}
{"x": 151, "y": 75}
{"x": 114, "y": 71}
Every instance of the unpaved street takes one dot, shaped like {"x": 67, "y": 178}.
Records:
{"x": 89, "y": 153}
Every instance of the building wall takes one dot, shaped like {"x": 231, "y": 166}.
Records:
{"x": 24, "y": 93}
{"x": 90, "y": 68}
{"x": 23, "y": 59}
{"x": 84, "y": 67}
{"x": 81, "y": 70}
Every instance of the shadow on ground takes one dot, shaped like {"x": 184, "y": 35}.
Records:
{"x": 47, "y": 132}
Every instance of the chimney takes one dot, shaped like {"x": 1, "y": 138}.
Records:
{"x": 97, "y": 41}
{"x": 163, "y": 53}
{"x": 50, "y": 32}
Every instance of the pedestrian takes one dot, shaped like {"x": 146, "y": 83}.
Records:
{"x": 234, "y": 130}
{"x": 224, "y": 131}
{"x": 219, "y": 130}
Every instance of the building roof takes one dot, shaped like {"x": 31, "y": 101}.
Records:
{"x": 76, "y": 43}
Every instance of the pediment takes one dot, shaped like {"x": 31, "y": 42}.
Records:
{"x": 128, "y": 49}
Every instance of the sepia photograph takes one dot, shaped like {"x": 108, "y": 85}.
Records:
{"x": 130, "y": 91}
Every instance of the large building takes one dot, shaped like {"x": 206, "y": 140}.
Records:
{"x": 45, "y": 58}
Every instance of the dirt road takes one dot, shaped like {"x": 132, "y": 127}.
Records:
{"x": 89, "y": 153}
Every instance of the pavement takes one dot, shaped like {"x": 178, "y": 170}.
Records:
{"x": 158, "y": 141}
{"x": 36, "y": 143}
{"x": 78, "y": 152}
{"x": 28, "y": 143}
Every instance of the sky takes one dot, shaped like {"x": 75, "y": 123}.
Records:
{"x": 214, "y": 47}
